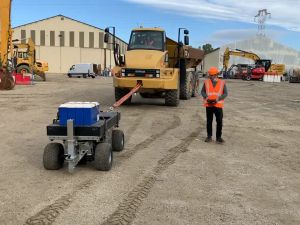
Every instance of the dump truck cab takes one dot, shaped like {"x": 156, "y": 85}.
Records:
{"x": 158, "y": 63}
{"x": 145, "y": 60}
{"x": 147, "y": 39}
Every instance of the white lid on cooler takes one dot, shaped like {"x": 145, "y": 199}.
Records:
{"x": 79, "y": 105}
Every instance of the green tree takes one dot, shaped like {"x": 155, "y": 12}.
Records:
{"x": 207, "y": 48}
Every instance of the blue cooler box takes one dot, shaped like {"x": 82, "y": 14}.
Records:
{"x": 82, "y": 113}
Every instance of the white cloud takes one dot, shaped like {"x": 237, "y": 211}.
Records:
{"x": 284, "y": 13}
{"x": 226, "y": 36}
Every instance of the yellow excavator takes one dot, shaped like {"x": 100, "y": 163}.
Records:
{"x": 239, "y": 53}
{"x": 256, "y": 72}
{"x": 26, "y": 59}
{"x": 6, "y": 66}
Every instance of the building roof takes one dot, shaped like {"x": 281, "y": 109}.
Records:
{"x": 216, "y": 49}
{"x": 60, "y": 15}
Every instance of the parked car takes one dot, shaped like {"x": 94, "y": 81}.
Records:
{"x": 83, "y": 70}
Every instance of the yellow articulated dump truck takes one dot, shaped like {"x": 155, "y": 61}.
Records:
{"x": 164, "y": 68}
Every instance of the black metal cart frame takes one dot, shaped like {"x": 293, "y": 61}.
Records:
{"x": 95, "y": 142}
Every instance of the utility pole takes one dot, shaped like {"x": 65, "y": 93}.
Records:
{"x": 261, "y": 18}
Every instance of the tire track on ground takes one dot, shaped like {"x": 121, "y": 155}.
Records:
{"x": 128, "y": 154}
{"x": 48, "y": 215}
{"x": 134, "y": 126}
{"x": 127, "y": 209}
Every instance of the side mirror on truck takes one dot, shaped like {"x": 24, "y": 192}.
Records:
{"x": 117, "y": 48}
{"x": 121, "y": 60}
{"x": 186, "y": 40}
{"x": 106, "y": 35}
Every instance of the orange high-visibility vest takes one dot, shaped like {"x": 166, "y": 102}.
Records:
{"x": 214, "y": 93}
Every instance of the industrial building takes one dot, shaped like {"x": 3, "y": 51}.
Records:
{"x": 63, "y": 41}
{"x": 264, "y": 47}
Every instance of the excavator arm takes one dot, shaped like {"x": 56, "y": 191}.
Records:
{"x": 240, "y": 53}
{"x": 6, "y": 79}
{"x": 5, "y": 6}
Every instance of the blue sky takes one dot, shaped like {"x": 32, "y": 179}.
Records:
{"x": 209, "y": 21}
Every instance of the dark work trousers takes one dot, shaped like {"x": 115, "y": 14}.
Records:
{"x": 210, "y": 111}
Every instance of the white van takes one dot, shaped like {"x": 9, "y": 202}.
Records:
{"x": 83, "y": 69}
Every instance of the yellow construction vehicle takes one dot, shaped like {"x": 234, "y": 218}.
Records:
{"x": 255, "y": 71}
{"x": 163, "y": 67}
{"x": 239, "y": 53}
{"x": 6, "y": 67}
{"x": 26, "y": 59}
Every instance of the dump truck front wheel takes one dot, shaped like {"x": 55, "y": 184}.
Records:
{"x": 187, "y": 86}
{"x": 172, "y": 97}
{"x": 53, "y": 158}
{"x": 103, "y": 157}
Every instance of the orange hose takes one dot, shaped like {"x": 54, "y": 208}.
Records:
{"x": 125, "y": 97}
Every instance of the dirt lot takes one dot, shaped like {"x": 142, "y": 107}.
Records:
{"x": 166, "y": 174}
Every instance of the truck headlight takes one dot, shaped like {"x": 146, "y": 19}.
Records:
{"x": 157, "y": 73}
{"x": 123, "y": 72}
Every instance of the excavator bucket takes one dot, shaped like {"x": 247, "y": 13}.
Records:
{"x": 7, "y": 81}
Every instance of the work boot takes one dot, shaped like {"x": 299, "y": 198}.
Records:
{"x": 208, "y": 139}
{"x": 220, "y": 140}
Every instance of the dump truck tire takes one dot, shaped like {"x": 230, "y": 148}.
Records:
{"x": 119, "y": 93}
{"x": 103, "y": 157}
{"x": 118, "y": 140}
{"x": 23, "y": 69}
{"x": 195, "y": 91}
{"x": 53, "y": 158}
{"x": 172, "y": 98}
{"x": 186, "y": 88}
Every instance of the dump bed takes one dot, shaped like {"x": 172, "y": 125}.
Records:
{"x": 193, "y": 56}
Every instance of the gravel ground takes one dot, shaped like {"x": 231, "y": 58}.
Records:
{"x": 166, "y": 174}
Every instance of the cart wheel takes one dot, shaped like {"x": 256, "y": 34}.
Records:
{"x": 103, "y": 157}
{"x": 117, "y": 140}
{"x": 53, "y": 158}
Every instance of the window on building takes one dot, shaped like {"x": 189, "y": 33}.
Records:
{"x": 32, "y": 35}
{"x": 23, "y": 36}
{"x": 101, "y": 40}
{"x": 72, "y": 36}
{"x": 81, "y": 39}
{"x": 91, "y": 39}
{"x": 52, "y": 38}
{"x": 61, "y": 38}
{"x": 42, "y": 37}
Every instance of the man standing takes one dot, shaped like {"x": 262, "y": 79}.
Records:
{"x": 214, "y": 92}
